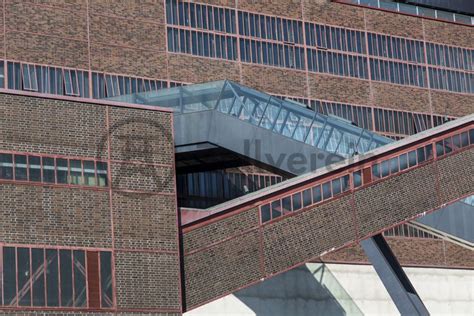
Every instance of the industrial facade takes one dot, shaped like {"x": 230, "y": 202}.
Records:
{"x": 97, "y": 213}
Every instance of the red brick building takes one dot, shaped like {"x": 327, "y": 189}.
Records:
{"x": 90, "y": 219}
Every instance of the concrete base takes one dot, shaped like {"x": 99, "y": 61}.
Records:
{"x": 340, "y": 289}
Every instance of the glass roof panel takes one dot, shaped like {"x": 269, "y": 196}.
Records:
{"x": 285, "y": 117}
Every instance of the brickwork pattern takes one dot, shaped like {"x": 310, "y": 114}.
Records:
{"x": 54, "y": 126}
{"x": 221, "y": 269}
{"x": 396, "y": 199}
{"x": 153, "y": 225}
{"x": 146, "y": 281}
{"x": 129, "y": 37}
{"x": 54, "y": 216}
{"x": 298, "y": 238}
{"x": 220, "y": 230}
{"x": 456, "y": 175}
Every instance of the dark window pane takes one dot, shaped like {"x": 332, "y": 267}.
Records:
{"x": 456, "y": 141}
{"x": 429, "y": 151}
{"x": 65, "y": 269}
{"x": 345, "y": 183}
{"x": 336, "y": 186}
{"x": 48, "y": 170}
{"x": 102, "y": 174}
{"x": 62, "y": 170}
{"x": 37, "y": 268}
{"x": 52, "y": 277}
{"x": 317, "y": 194}
{"x": 106, "y": 278}
{"x": 439, "y": 149}
{"x": 24, "y": 288}
{"x": 35, "y": 168}
{"x": 9, "y": 276}
{"x": 376, "y": 171}
{"x": 421, "y": 154}
{"x": 76, "y": 172}
{"x": 80, "y": 292}
{"x": 6, "y": 166}
{"x": 448, "y": 145}
{"x": 20, "y": 168}
{"x": 276, "y": 209}
{"x": 296, "y": 201}
{"x": 357, "y": 178}
{"x": 265, "y": 213}
{"x": 385, "y": 168}
{"x": 471, "y": 136}
{"x": 394, "y": 165}
{"x": 286, "y": 205}
{"x": 403, "y": 162}
{"x": 464, "y": 139}
{"x": 412, "y": 158}
{"x": 307, "y": 197}
{"x": 327, "y": 190}
{"x": 89, "y": 173}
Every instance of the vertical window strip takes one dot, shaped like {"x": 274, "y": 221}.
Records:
{"x": 51, "y": 277}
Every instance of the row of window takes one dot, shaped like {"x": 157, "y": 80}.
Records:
{"x": 52, "y": 170}
{"x": 104, "y": 85}
{"x": 379, "y": 170}
{"x": 451, "y": 80}
{"x": 39, "y": 277}
{"x": 73, "y": 82}
{"x": 297, "y": 201}
{"x": 395, "y": 48}
{"x": 383, "y": 120}
{"x": 337, "y": 63}
{"x": 406, "y": 230}
{"x": 206, "y": 189}
{"x": 202, "y": 44}
{"x": 200, "y": 16}
{"x": 270, "y": 28}
{"x": 279, "y": 55}
{"x": 47, "y": 79}
{"x": 400, "y": 73}
{"x": 337, "y": 38}
{"x": 448, "y": 56}
{"x": 287, "y": 38}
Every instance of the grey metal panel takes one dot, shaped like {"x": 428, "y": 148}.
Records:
{"x": 456, "y": 220}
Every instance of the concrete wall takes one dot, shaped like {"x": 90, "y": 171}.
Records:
{"x": 342, "y": 289}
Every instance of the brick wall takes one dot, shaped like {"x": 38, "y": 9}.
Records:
{"x": 135, "y": 216}
{"x": 129, "y": 37}
{"x": 217, "y": 259}
{"x": 411, "y": 252}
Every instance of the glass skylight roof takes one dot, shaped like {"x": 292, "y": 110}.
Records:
{"x": 283, "y": 117}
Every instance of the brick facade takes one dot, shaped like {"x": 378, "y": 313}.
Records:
{"x": 293, "y": 240}
{"x": 133, "y": 217}
{"x": 129, "y": 37}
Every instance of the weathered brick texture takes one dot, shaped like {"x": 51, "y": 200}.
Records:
{"x": 220, "y": 230}
{"x": 396, "y": 199}
{"x": 146, "y": 281}
{"x": 312, "y": 232}
{"x": 145, "y": 221}
{"x": 221, "y": 269}
{"x": 214, "y": 270}
{"x": 143, "y": 136}
{"x": 54, "y": 216}
{"x": 53, "y": 126}
{"x": 139, "y": 177}
{"x": 456, "y": 175}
